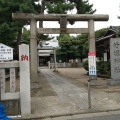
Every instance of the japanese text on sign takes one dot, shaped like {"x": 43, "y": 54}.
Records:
{"x": 24, "y": 58}
{"x": 6, "y": 53}
{"x": 92, "y": 63}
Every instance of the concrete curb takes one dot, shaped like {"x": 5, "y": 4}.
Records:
{"x": 82, "y": 114}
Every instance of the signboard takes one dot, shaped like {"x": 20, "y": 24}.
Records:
{"x": 105, "y": 56}
{"x": 6, "y": 53}
{"x": 92, "y": 63}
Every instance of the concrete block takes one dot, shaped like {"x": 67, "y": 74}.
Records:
{"x": 95, "y": 82}
{"x": 12, "y": 107}
{"x": 112, "y": 82}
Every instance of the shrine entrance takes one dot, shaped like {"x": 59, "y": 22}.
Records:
{"x": 62, "y": 18}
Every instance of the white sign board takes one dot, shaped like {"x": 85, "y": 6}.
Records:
{"x": 92, "y": 63}
{"x": 6, "y": 53}
{"x": 105, "y": 56}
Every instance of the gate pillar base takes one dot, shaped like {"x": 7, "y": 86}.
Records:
{"x": 113, "y": 82}
{"x": 95, "y": 82}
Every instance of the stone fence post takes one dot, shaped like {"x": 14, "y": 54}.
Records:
{"x": 25, "y": 100}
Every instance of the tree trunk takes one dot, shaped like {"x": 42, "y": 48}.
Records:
{"x": 18, "y": 43}
{"x": 42, "y": 8}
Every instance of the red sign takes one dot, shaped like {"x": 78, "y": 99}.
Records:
{"x": 92, "y": 54}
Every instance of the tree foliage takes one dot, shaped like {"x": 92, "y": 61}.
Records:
{"x": 100, "y": 33}
{"x": 77, "y": 47}
{"x": 59, "y": 7}
{"x": 12, "y": 30}
{"x": 83, "y": 6}
{"x": 63, "y": 6}
{"x": 26, "y": 36}
{"x": 118, "y": 32}
{"x": 8, "y": 27}
{"x": 72, "y": 47}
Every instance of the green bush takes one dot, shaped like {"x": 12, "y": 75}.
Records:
{"x": 102, "y": 67}
{"x": 85, "y": 65}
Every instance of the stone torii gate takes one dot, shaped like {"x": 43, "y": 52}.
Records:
{"x": 62, "y": 18}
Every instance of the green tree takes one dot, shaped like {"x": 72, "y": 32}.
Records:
{"x": 26, "y": 36}
{"x": 72, "y": 47}
{"x": 12, "y": 30}
{"x": 83, "y": 45}
{"x": 118, "y": 32}
{"x": 69, "y": 48}
{"x": 100, "y": 33}
{"x": 63, "y": 6}
{"x": 59, "y": 7}
{"x": 83, "y": 6}
{"x": 77, "y": 47}
{"x": 8, "y": 27}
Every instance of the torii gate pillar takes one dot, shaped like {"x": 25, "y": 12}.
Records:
{"x": 33, "y": 52}
{"x": 92, "y": 48}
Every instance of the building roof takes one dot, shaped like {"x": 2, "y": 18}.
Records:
{"x": 111, "y": 32}
{"x": 47, "y": 47}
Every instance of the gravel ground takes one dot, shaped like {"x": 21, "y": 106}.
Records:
{"x": 80, "y": 75}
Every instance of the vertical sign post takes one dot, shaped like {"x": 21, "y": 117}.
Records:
{"x": 55, "y": 64}
{"x": 92, "y": 72}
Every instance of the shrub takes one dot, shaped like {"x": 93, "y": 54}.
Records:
{"x": 85, "y": 65}
{"x": 102, "y": 67}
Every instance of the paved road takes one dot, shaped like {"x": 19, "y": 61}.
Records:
{"x": 55, "y": 95}
{"x": 108, "y": 117}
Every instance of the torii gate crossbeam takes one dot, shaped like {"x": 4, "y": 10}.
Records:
{"x": 56, "y": 17}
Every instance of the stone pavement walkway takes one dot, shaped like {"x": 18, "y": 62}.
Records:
{"x": 55, "y": 95}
